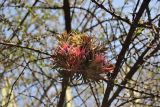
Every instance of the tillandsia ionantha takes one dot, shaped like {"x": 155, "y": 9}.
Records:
{"x": 81, "y": 56}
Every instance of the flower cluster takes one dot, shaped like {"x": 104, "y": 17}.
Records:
{"x": 80, "y": 55}
{"x": 72, "y": 57}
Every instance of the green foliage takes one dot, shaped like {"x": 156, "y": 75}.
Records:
{"x": 139, "y": 31}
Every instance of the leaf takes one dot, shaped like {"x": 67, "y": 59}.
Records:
{"x": 101, "y": 37}
{"x": 42, "y": 65}
{"x": 6, "y": 93}
{"x": 139, "y": 31}
{"x": 151, "y": 74}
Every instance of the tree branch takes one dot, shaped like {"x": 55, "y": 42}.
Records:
{"x": 22, "y": 21}
{"x": 23, "y": 47}
{"x": 66, "y": 8}
{"x": 135, "y": 67}
{"x": 124, "y": 49}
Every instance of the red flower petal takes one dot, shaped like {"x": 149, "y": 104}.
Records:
{"x": 108, "y": 68}
{"x": 99, "y": 58}
{"x": 64, "y": 48}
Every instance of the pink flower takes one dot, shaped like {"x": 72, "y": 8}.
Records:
{"x": 108, "y": 68}
{"x": 99, "y": 58}
{"x": 77, "y": 51}
{"x": 64, "y": 48}
{"x": 76, "y": 57}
